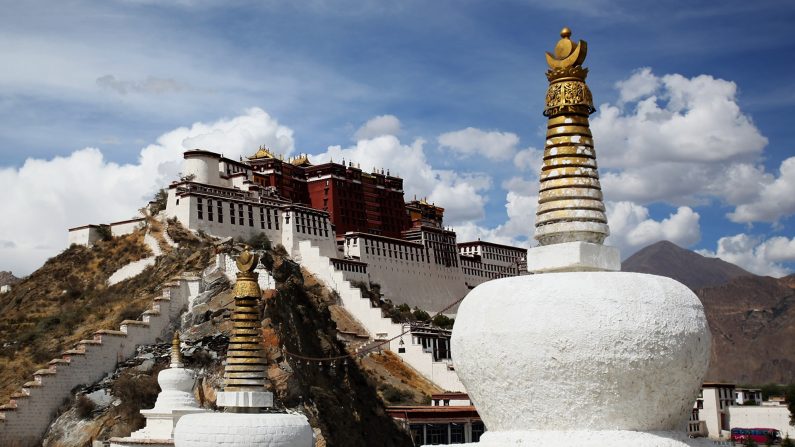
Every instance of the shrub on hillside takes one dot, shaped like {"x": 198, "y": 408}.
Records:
{"x": 84, "y": 406}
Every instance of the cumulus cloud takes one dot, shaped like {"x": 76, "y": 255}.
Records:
{"x": 771, "y": 198}
{"x": 45, "y": 197}
{"x": 460, "y": 194}
{"x": 493, "y": 145}
{"x": 631, "y": 228}
{"x": 378, "y": 126}
{"x": 529, "y": 159}
{"x": 150, "y": 85}
{"x": 756, "y": 254}
{"x": 676, "y": 140}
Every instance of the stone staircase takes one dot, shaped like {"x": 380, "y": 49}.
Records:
{"x": 25, "y": 418}
{"x": 372, "y": 320}
{"x": 135, "y": 268}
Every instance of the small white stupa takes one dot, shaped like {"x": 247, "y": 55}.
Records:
{"x": 579, "y": 354}
{"x": 244, "y": 398}
{"x": 175, "y": 400}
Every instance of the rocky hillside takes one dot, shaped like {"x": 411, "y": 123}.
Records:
{"x": 752, "y": 318}
{"x": 691, "y": 269}
{"x": 68, "y": 298}
{"x": 7, "y": 278}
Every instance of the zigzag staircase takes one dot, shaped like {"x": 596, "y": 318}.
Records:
{"x": 371, "y": 318}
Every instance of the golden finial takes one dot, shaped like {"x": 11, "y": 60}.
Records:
{"x": 246, "y": 277}
{"x": 176, "y": 353}
{"x": 567, "y": 54}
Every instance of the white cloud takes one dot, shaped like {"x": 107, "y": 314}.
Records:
{"x": 378, "y": 126}
{"x": 676, "y": 140}
{"x": 771, "y": 199}
{"x": 493, "y": 145}
{"x": 45, "y": 197}
{"x": 642, "y": 83}
{"x": 460, "y": 194}
{"x": 529, "y": 159}
{"x": 631, "y": 228}
{"x": 755, "y": 254}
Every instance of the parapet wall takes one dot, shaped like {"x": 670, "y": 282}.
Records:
{"x": 25, "y": 418}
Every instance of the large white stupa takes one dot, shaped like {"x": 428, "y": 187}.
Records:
{"x": 579, "y": 353}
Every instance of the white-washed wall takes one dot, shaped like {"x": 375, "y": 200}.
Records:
{"x": 84, "y": 236}
{"x": 126, "y": 227}
{"x": 26, "y": 417}
{"x": 762, "y": 416}
{"x": 371, "y": 319}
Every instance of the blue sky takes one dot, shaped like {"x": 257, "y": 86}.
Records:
{"x": 693, "y": 132}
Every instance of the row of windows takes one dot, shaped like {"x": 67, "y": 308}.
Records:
{"x": 445, "y": 433}
{"x": 348, "y": 267}
{"x": 311, "y": 224}
{"x": 239, "y": 214}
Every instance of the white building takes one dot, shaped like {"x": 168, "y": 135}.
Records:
{"x": 748, "y": 396}
{"x": 715, "y": 400}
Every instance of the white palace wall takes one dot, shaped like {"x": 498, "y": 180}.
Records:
{"x": 380, "y": 328}
{"x": 408, "y": 273}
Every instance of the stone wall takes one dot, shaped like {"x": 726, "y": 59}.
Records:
{"x": 25, "y": 418}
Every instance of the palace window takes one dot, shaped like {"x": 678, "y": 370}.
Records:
{"x": 200, "y": 208}
{"x": 232, "y": 212}
{"x": 268, "y": 212}
{"x": 210, "y": 210}
{"x": 250, "y": 216}
{"x": 240, "y": 214}
{"x": 262, "y": 218}
{"x": 276, "y": 218}
{"x": 220, "y": 212}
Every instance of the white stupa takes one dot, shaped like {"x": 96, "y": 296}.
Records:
{"x": 174, "y": 401}
{"x": 579, "y": 354}
{"x": 244, "y": 399}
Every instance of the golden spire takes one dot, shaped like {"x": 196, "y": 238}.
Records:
{"x": 176, "y": 353}
{"x": 570, "y": 206}
{"x": 245, "y": 360}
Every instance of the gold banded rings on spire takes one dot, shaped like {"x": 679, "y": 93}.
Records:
{"x": 246, "y": 361}
{"x": 176, "y": 353}
{"x": 570, "y": 206}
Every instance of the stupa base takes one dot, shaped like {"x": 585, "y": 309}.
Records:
{"x": 243, "y": 429}
{"x": 583, "y": 438}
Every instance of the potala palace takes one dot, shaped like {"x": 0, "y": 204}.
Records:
{"x": 345, "y": 226}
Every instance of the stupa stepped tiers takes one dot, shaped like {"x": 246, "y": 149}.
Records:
{"x": 244, "y": 422}
{"x": 597, "y": 357}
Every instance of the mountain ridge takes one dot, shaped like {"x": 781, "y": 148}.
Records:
{"x": 665, "y": 258}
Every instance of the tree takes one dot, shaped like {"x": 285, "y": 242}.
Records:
{"x": 159, "y": 202}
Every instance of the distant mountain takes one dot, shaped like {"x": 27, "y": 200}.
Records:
{"x": 7, "y": 278}
{"x": 691, "y": 269}
{"x": 752, "y": 319}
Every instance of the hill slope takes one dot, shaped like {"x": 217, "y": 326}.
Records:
{"x": 691, "y": 269}
{"x": 752, "y": 319}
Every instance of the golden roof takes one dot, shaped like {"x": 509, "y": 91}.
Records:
{"x": 301, "y": 160}
{"x": 263, "y": 152}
